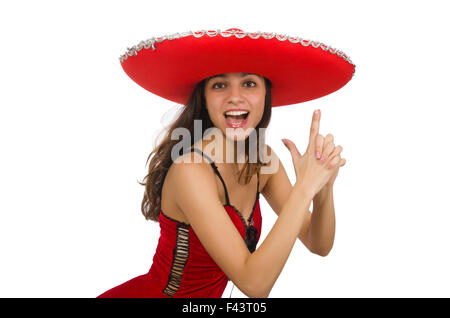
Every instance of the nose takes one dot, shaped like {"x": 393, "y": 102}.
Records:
{"x": 235, "y": 96}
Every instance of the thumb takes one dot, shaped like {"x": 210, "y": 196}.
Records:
{"x": 292, "y": 148}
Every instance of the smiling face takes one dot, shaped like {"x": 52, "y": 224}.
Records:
{"x": 235, "y": 100}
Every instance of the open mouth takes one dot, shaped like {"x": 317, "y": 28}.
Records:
{"x": 236, "y": 119}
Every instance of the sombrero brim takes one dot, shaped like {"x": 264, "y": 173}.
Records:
{"x": 300, "y": 70}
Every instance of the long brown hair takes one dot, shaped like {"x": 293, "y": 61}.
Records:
{"x": 194, "y": 109}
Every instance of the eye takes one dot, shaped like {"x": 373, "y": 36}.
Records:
{"x": 217, "y": 83}
{"x": 254, "y": 84}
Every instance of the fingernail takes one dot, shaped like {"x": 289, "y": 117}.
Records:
{"x": 317, "y": 112}
{"x": 317, "y": 155}
{"x": 322, "y": 159}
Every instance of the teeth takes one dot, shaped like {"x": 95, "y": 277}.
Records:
{"x": 236, "y": 113}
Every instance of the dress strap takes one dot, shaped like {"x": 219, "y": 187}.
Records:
{"x": 257, "y": 188}
{"x": 213, "y": 165}
{"x": 256, "y": 199}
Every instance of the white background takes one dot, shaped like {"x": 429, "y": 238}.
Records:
{"x": 75, "y": 133}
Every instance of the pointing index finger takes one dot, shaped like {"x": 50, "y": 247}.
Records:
{"x": 315, "y": 125}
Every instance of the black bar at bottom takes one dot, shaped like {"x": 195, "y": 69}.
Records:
{"x": 297, "y": 307}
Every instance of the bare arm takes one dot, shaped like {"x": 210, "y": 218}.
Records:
{"x": 254, "y": 274}
{"x": 277, "y": 190}
{"x": 269, "y": 259}
{"x": 318, "y": 230}
{"x": 323, "y": 222}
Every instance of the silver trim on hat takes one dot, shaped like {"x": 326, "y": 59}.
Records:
{"x": 150, "y": 43}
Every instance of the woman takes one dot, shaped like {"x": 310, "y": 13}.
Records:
{"x": 207, "y": 205}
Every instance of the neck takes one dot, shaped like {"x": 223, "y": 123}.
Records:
{"x": 224, "y": 150}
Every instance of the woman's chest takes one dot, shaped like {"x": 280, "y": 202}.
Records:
{"x": 241, "y": 197}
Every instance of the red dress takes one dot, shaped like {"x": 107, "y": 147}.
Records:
{"x": 181, "y": 266}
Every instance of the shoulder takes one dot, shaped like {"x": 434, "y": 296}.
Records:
{"x": 189, "y": 164}
{"x": 272, "y": 166}
{"x": 271, "y": 157}
{"x": 192, "y": 174}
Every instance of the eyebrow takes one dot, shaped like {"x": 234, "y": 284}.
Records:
{"x": 226, "y": 75}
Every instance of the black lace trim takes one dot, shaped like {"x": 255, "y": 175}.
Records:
{"x": 180, "y": 256}
{"x": 171, "y": 219}
{"x": 250, "y": 219}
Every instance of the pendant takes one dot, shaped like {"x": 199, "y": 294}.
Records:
{"x": 251, "y": 237}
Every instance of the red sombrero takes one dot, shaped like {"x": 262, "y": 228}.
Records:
{"x": 300, "y": 70}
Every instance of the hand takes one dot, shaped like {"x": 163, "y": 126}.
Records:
{"x": 311, "y": 173}
{"x": 325, "y": 150}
